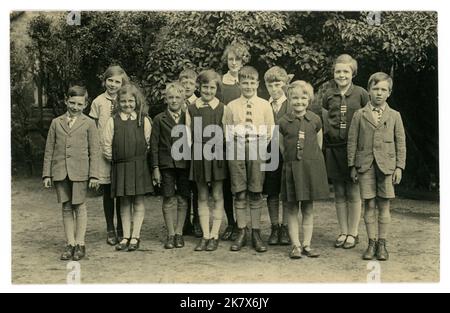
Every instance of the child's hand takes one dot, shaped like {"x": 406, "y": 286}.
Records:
{"x": 397, "y": 177}
{"x": 93, "y": 183}
{"x": 354, "y": 175}
{"x": 156, "y": 177}
{"x": 47, "y": 182}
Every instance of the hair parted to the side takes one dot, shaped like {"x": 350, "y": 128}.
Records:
{"x": 378, "y": 77}
{"x": 248, "y": 72}
{"x": 277, "y": 74}
{"x": 177, "y": 86}
{"x": 346, "y": 59}
{"x": 77, "y": 91}
{"x": 303, "y": 87}
{"x": 208, "y": 76}
{"x": 239, "y": 50}
{"x": 133, "y": 90}
{"x": 188, "y": 73}
{"x": 115, "y": 70}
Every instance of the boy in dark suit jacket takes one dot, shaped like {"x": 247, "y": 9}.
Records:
{"x": 71, "y": 161}
{"x": 377, "y": 157}
{"x": 169, "y": 149}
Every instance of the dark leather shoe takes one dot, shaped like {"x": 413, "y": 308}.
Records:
{"x": 283, "y": 236}
{"x": 198, "y": 233}
{"x": 307, "y": 251}
{"x": 371, "y": 250}
{"x": 213, "y": 244}
{"x": 257, "y": 242}
{"x": 348, "y": 244}
{"x": 274, "y": 235}
{"x": 119, "y": 235}
{"x": 134, "y": 246}
{"x": 296, "y": 252}
{"x": 235, "y": 233}
{"x": 178, "y": 241}
{"x": 382, "y": 254}
{"x": 170, "y": 242}
{"x": 111, "y": 238}
{"x": 68, "y": 253}
{"x": 201, "y": 246}
{"x": 226, "y": 236}
{"x": 241, "y": 240}
{"x": 80, "y": 253}
{"x": 123, "y": 244}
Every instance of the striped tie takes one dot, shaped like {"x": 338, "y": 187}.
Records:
{"x": 379, "y": 114}
{"x": 249, "y": 117}
{"x": 343, "y": 119}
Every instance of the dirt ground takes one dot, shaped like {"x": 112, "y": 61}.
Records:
{"x": 38, "y": 238}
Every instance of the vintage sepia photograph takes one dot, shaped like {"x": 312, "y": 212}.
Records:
{"x": 224, "y": 147}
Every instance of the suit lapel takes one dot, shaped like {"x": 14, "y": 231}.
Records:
{"x": 78, "y": 122}
{"x": 169, "y": 120}
{"x": 367, "y": 114}
{"x": 64, "y": 124}
{"x": 385, "y": 115}
{"x": 282, "y": 110}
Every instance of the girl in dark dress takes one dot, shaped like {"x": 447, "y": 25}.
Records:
{"x": 205, "y": 120}
{"x": 128, "y": 134}
{"x": 304, "y": 178}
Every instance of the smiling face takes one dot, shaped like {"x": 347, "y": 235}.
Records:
{"x": 379, "y": 93}
{"x": 343, "y": 75}
{"x": 208, "y": 91}
{"x": 248, "y": 87}
{"x": 275, "y": 89}
{"x": 299, "y": 100}
{"x": 127, "y": 103}
{"x": 189, "y": 86}
{"x": 113, "y": 84}
{"x": 174, "y": 100}
{"x": 76, "y": 105}
{"x": 234, "y": 63}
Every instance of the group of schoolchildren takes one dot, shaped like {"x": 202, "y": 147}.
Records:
{"x": 204, "y": 153}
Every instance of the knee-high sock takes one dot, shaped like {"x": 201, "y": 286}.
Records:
{"x": 384, "y": 218}
{"x": 273, "y": 206}
{"x": 182, "y": 205}
{"x": 195, "y": 218}
{"x": 203, "y": 212}
{"x": 285, "y": 214}
{"x": 138, "y": 216}
{"x": 341, "y": 206}
{"x": 69, "y": 223}
{"x": 240, "y": 204}
{"x": 168, "y": 208}
{"x": 292, "y": 209}
{"x": 217, "y": 214}
{"x": 108, "y": 207}
{"x": 81, "y": 219}
{"x": 255, "y": 210}
{"x": 119, "y": 217}
{"x": 228, "y": 202}
{"x": 307, "y": 222}
{"x": 370, "y": 218}
{"x": 354, "y": 208}
{"x": 125, "y": 212}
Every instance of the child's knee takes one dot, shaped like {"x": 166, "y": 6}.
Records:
{"x": 254, "y": 196}
{"x": 241, "y": 196}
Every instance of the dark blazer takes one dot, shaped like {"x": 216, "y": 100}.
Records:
{"x": 285, "y": 108}
{"x": 383, "y": 143}
{"x": 161, "y": 142}
{"x": 72, "y": 152}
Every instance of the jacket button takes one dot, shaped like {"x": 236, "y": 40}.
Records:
{"x": 68, "y": 146}
{"x": 68, "y": 156}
